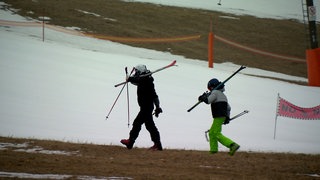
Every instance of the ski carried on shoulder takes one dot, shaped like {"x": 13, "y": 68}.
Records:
{"x": 173, "y": 63}
{"x": 221, "y": 84}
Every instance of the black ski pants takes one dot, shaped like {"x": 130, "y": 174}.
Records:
{"x": 144, "y": 117}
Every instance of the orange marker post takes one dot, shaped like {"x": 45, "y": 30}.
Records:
{"x": 313, "y": 64}
{"x": 210, "y": 50}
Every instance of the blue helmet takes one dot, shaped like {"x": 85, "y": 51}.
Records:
{"x": 213, "y": 83}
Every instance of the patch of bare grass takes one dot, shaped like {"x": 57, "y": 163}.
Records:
{"x": 139, "y": 163}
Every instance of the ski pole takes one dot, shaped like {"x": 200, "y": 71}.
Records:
{"x": 206, "y": 135}
{"x": 242, "y": 67}
{"x": 240, "y": 114}
{"x": 114, "y": 103}
{"x": 127, "y": 76}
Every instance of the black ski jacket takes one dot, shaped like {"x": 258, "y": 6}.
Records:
{"x": 146, "y": 93}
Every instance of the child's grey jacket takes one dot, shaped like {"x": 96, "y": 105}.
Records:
{"x": 219, "y": 103}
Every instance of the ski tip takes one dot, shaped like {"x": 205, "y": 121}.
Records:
{"x": 246, "y": 111}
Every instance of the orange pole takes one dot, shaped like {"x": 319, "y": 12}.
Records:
{"x": 210, "y": 50}
{"x": 313, "y": 64}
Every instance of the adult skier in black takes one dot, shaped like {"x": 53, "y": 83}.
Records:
{"x": 147, "y": 99}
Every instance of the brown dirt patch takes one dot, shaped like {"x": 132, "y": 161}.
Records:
{"x": 115, "y": 161}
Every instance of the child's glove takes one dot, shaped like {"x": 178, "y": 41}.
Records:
{"x": 226, "y": 121}
{"x": 203, "y": 98}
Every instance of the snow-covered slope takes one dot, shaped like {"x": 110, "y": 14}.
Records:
{"x": 63, "y": 88}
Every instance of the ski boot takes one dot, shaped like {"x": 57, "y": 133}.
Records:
{"x": 127, "y": 142}
{"x": 156, "y": 147}
{"x": 233, "y": 148}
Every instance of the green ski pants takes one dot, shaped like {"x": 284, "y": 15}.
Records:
{"x": 216, "y": 136}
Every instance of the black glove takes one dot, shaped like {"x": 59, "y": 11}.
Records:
{"x": 157, "y": 111}
{"x": 203, "y": 97}
{"x": 134, "y": 80}
{"x": 129, "y": 79}
{"x": 226, "y": 121}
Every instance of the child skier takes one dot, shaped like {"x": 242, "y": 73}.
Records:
{"x": 147, "y": 99}
{"x": 221, "y": 114}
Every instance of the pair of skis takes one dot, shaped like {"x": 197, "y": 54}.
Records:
{"x": 173, "y": 63}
